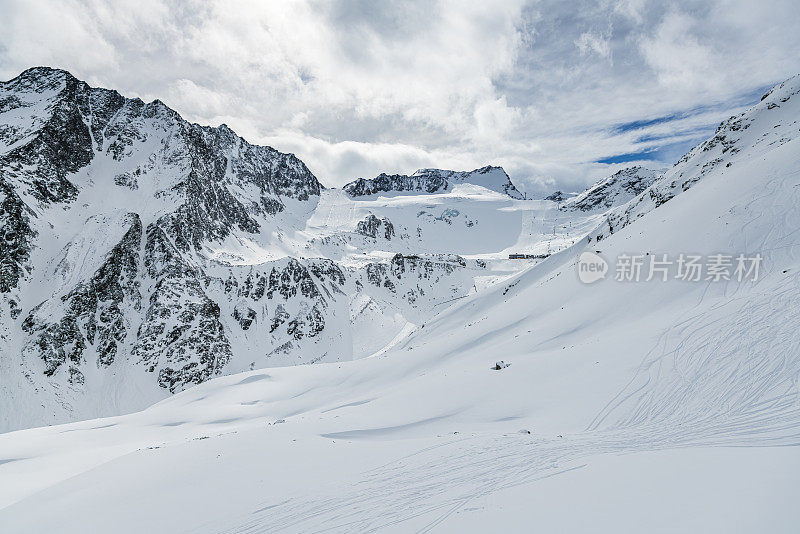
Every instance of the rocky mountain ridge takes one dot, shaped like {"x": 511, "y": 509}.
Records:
{"x": 615, "y": 190}
{"x": 56, "y": 132}
{"x": 141, "y": 254}
{"x": 111, "y": 208}
{"x": 434, "y": 181}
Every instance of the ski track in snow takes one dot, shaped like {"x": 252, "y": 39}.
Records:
{"x": 675, "y": 407}
{"x": 725, "y": 373}
{"x": 694, "y": 388}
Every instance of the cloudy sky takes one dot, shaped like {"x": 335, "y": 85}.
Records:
{"x": 559, "y": 93}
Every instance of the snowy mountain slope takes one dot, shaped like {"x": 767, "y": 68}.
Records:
{"x": 673, "y": 403}
{"x": 433, "y": 181}
{"x": 75, "y": 161}
{"x": 142, "y": 254}
{"x": 615, "y": 190}
{"x": 559, "y": 196}
{"x": 770, "y": 124}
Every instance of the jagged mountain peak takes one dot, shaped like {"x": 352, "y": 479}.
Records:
{"x": 40, "y": 77}
{"x": 139, "y": 243}
{"x": 120, "y": 198}
{"x": 445, "y": 172}
{"x": 434, "y": 181}
{"x": 559, "y": 196}
{"x": 614, "y": 190}
{"x": 59, "y": 125}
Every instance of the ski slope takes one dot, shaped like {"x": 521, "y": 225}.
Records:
{"x": 657, "y": 406}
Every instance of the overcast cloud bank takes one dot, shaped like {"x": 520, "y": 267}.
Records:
{"x": 560, "y": 94}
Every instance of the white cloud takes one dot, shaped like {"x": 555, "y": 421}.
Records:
{"x": 591, "y": 42}
{"x": 677, "y": 56}
{"x": 356, "y": 87}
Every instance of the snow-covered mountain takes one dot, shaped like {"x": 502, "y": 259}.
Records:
{"x": 142, "y": 254}
{"x": 107, "y": 202}
{"x": 673, "y": 403}
{"x": 615, "y": 190}
{"x": 559, "y": 196}
{"x": 741, "y": 138}
{"x": 434, "y": 181}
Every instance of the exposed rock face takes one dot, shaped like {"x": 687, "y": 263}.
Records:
{"x": 16, "y": 234}
{"x": 286, "y": 311}
{"x": 615, "y": 190}
{"x": 558, "y": 196}
{"x": 245, "y": 316}
{"x": 412, "y": 278}
{"x": 310, "y": 288}
{"x": 58, "y": 142}
{"x": 374, "y": 227}
{"x": 428, "y": 183}
{"x": 91, "y": 314}
{"x": 434, "y": 181}
{"x": 181, "y": 337}
{"x": 379, "y": 274}
{"x": 74, "y": 156}
{"x": 211, "y": 209}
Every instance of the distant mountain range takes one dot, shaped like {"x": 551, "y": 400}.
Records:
{"x": 142, "y": 254}
{"x": 434, "y": 181}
